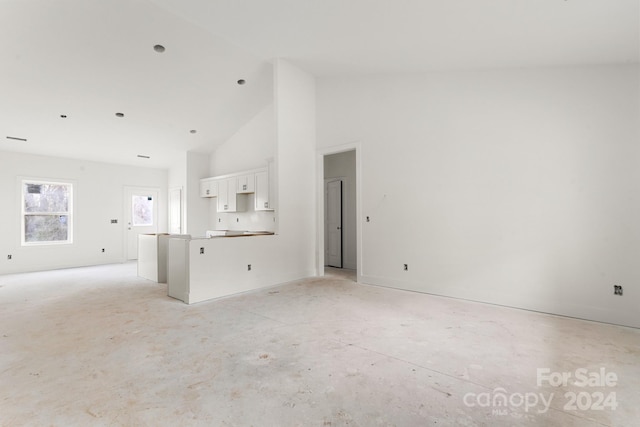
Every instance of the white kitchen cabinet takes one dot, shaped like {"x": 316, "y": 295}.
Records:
{"x": 228, "y": 199}
{"x": 208, "y": 188}
{"x": 245, "y": 183}
{"x": 262, "y": 200}
{"x": 226, "y": 203}
{"x": 232, "y": 190}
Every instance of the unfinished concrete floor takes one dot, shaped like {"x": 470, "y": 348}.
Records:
{"x": 100, "y": 347}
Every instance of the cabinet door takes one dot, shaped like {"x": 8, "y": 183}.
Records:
{"x": 223, "y": 195}
{"x": 262, "y": 192}
{"x": 213, "y": 189}
{"x": 227, "y": 195}
{"x": 245, "y": 184}
{"x": 204, "y": 188}
{"x": 208, "y": 188}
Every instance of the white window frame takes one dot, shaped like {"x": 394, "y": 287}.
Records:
{"x": 69, "y": 213}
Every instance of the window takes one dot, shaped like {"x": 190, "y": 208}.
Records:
{"x": 46, "y": 212}
{"x": 142, "y": 214}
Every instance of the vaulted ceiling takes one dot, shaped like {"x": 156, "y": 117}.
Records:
{"x": 90, "y": 59}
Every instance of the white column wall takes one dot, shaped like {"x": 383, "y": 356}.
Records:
{"x": 178, "y": 179}
{"x": 295, "y": 101}
{"x": 197, "y": 207}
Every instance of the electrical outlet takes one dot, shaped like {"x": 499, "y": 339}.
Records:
{"x": 406, "y": 267}
{"x": 201, "y": 251}
{"x": 9, "y": 256}
{"x": 368, "y": 220}
{"x": 248, "y": 267}
{"x": 237, "y": 219}
{"x": 114, "y": 221}
{"x": 102, "y": 250}
{"x": 617, "y": 290}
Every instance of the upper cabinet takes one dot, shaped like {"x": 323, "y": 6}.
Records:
{"x": 208, "y": 188}
{"x": 231, "y": 190}
{"x": 246, "y": 183}
{"x": 228, "y": 199}
{"x": 262, "y": 201}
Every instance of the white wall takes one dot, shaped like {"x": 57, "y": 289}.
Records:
{"x": 295, "y": 160}
{"x": 178, "y": 179}
{"x": 515, "y": 187}
{"x": 98, "y": 198}
{"x": 250, "y": 219}
{"x": 197, "y": 208}
{"x": 186, "y": 173}
{"x": 251, "y": 147}
{"x": 343, "y": 165}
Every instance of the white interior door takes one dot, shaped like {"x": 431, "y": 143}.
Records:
{"x": 334, "y": 223}
{"x": 141, "y": 206}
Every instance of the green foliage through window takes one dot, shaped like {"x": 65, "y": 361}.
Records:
{"x": 46, "y": 212}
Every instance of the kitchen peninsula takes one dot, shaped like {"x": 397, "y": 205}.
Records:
{"x": 228, "y": 260}
{"x": 200, "y": 269}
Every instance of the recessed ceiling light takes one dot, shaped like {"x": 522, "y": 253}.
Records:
{"x": 119, "y": 115}
{"x": 241, "y": 82}
{"x": 158, "y": 48}
{"x": 17, "y": 139}
{"x": 193, "y": 131}
{"x": 143, "y": 157}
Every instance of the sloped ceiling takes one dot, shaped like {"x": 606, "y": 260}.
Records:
{"x": 337, "y": 37}
{"x": 89, "y": 59}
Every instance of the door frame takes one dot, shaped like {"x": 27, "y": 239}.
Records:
{"x": 320, "y": 154}
{"x": 343, "y": 223}
{"x": 126, "y": 214}
{"x": 170, "y": 218}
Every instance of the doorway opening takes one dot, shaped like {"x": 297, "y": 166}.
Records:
{"x": 340, "y": 214}
{"x": 141, "y": 215}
